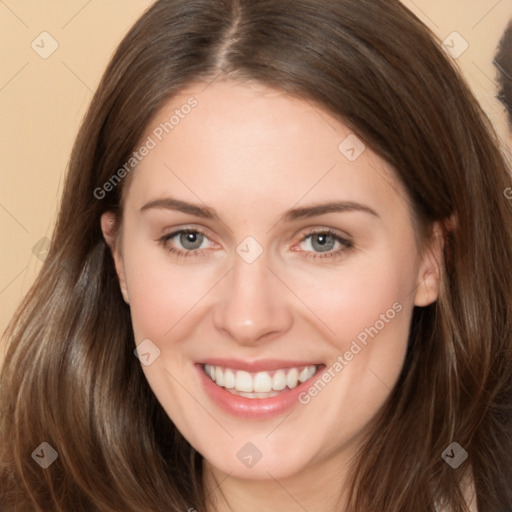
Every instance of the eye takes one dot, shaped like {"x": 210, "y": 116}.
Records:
{"x": 324, "y": 243}
{"x": 185, "y": 242}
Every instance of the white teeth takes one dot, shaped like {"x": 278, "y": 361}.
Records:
{"x": 229, "y": 379}
{"x": 243, "y": 381}
{"x": 307, "y": 373}
{"x": 253, "y": 395}
{"x": 260, "y": 384}
{"x": 292, "y": 378}
{"x": 279, "y": 380}
{"x": 210, "y": 370}
{"x": 219, "y": 376}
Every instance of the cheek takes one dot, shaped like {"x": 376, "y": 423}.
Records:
{"x": 367, "y": 311}
{"x": 163, "y": 292}
{"x": 365, "y": 294}
{"x": 364, "y": 310}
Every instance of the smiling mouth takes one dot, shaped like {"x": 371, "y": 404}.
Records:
{"x": 264, "y": 384}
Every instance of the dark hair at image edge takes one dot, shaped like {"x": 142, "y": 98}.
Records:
{"x": 70, "y": 377}
{"x": 503, "y": 63}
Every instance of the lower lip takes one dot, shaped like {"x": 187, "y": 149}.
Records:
{"x": 253, "y": 408}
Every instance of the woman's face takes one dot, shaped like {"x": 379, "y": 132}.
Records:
{"x": 264, "y": 246}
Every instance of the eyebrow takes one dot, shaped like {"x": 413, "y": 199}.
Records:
{"x": 169, "y": 203}
{"x": 323, "y": 208}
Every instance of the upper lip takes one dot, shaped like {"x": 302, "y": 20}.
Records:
{"x": 260, "y": 365}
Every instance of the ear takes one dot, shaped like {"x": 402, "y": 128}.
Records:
{"x": 429, "y": 274}
{"x": 109, "y": 229}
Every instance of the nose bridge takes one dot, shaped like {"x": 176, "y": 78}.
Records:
{"x": 251, "y": 306}
{"x": 249, "y": 279}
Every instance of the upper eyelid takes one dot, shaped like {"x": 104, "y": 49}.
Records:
{"x": 172, "y": 234}
{"x": 345, "y": 241}
{"x": 176, "y": 231}
{"x": 342, "y": 237}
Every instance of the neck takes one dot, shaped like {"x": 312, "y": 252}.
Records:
{"x": 321, "y": 487}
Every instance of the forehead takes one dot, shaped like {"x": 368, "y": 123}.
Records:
{"x": 246, "y": 146}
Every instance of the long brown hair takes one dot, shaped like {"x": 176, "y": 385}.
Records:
{"x": 70, "y": 377}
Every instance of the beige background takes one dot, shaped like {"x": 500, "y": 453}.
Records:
{"x": 42, "y": 102}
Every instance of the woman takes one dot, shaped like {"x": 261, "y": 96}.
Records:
{"x": 278, "y": 280}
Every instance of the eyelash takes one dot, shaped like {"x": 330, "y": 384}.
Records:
{"x": 346, "y": 244}
{"x": 180, "y": 252}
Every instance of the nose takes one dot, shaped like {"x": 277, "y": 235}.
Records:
{"x": 252, "y": 305}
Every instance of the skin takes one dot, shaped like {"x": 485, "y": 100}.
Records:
{"x": 251, "y": 154}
